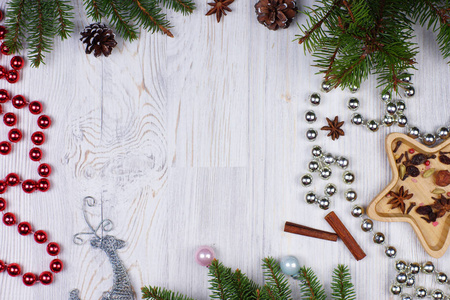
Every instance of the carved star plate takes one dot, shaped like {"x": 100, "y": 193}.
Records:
{"x": 403, "y": 150}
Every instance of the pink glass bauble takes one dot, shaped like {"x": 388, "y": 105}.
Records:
{"x": 204, "y": 256}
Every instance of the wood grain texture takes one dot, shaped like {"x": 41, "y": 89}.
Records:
{"x": 200, "y": 139}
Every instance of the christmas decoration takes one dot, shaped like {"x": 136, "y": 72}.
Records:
{"x": 352, "y": 39}
{"x": 204, "y": 256}
{"x": 109, "y": 244}
{"x": 275, "y": 14}
{"x": 335, "y": 128}
{"x": 39, "y": 22}
{"x": 227, "y": 285}
{"x": 219, "y": 8}
{"x": 98, "y": 38}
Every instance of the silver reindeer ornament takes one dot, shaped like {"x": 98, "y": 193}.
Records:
{"x": 121, "y": 289}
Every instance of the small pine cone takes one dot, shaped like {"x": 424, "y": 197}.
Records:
{"x": 98, "y": 38}
{"x": 276, "y": 14}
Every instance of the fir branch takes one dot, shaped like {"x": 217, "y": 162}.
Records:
{"x": 118, "y": 14}
{"x": 220, "y": 280}
{"x": 158, "y": 293}
{"x": 93, "y": 9}
{"x": 244, "y": 288}
{"x": 15, "y": 23}
{"x": 311, "y": 288}
{"x": 342, "y": 285}
{"x": 183, "y": 6}
{"x": 277, "y": 286}
{"x": 154, "y": 21}
{"x": 64, "y": 13}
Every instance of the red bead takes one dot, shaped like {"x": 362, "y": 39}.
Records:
{"x": 24, "y": 228}
{"x": 12, "y": 179}
{"x": 13, "y": 270}
{"x": 53, "y": 249}
{"x": 12, "y": 76}
{"x": 35, "y": 154}
{"x": 28, "y": 186}
{"x": 35, "y": 107}
{"x": 15, "y": 135}
{"x": 411, "y": 151}
{"x": 9, "y": 219}
{"x": 44, "y": 122}
{"x": 3, "y": 32}
{"x": 5, "y": 148}
{"x": 46, "y": 278}
{"x": 10, "y": 119}
{"x": 29, "y": 279}
{"x": 17, "y": 62}
{"x": 3, "y": 72}
{"x": 43, "y": 185}
{"x": 56, "y": 266}
{"x": 427, "y": 163}
{"x": 4, "y": 49}
{"x": 2, "y": 204}
{"x": 19, "y": 101}
{"x": 44, "y": 170}
{"x": 40, "y": 236}
{"x": 3, "y": 187}
{"x": 38, "y": 138}
{"x": 2, "y": 266}
{"x": 4, "y": 96}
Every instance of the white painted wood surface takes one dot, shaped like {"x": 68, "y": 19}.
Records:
{"x": 199, "y": 140}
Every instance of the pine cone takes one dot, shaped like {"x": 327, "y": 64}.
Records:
{"x": 98, "y": 38}
{"x": 276, "y": 14}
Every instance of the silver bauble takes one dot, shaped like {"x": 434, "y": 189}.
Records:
{"x": 410, "y": 281}
{"x": 326, "y": 87}
{"x": 443, "y": 133}
{"x": 310, "y": 116}
{"x": 350, "y": 195}
{"x": 421, "y": 292}
{"x": 400, "y": 265}
{"x": 357, "y": 119}
{"x": 414, "y": 132}
{"x": 342, "y": 162}
{"x": 324, "y": 203}
{"x": 386, "y": 96}
{"x": 357, "y": 211}
{"x": 441, "y": 277}
{"x": 396, "y": 289}
{"x": 401, "y": 277}
{"x": 313, "y": 166}
{"x": 373, "y": 125}
{"x": 306, "y": 180}
{"x": 353, "y": 88}
{"x": 310, "y": 198}
{"x": 378, "y": 238}
{"x": 391, "y": 108}
{"x": 428, "y": 267}
{"x": 325, "y": 173}
{"x": 316, "y": 151}
{"x": 405, "y": 297}
{"x": 330, "y": 190}
{"x": 429, "y": 139}
{"x": 406, "y": 78}
{"x": 367, "y": 225}
{"x": 388, "y": 120}
{"x": 314, "y": 99}
{"x": 414, "y": 268}
{"x": 437, "y": 295}
{"x": 390, "y": 251}
{"x": 402, "y": 120}
{"x": 401, "y": 106}
{"x": 348, "y": 177}
{"x": 311, "y": 135}
{"x": 410, "y": 91}
{"x": 353, "y": 104}
{"x": 328, "y": 159}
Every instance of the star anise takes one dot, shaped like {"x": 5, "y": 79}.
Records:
{"x": 442, "y": 206}
{"x": 335, "y": 128}
{"x": 219, "y": 7}
{"x": 398, "y": 199}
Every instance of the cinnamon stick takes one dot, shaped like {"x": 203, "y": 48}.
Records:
{"x": 311, "y": 232}
{"x": 345, "y": 235}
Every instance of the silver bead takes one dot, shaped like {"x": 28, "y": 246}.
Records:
{"x": 326, "y": 87}
{"x": 378, "y": 238}
{"x": 441, "y": 277}
{"x": 328, "y": 159}
{"x": 330, "y": 190}
{"x": 357, "y": 119}
{"x": 310, "y": 116}
{"x": 396, "y": 289}
{"x": 401, "y": 277}
{"x": 386, "y": 96}
{"x": 402, "y": 120}
{"x": 406, "y": 78}
{"x": 437, "y": 295}
{"x": 324, "y": 203}
{"x": 310, "y": 197}
{"x": 391, "y": 108}
{"x": 316, "y": 151}
{"x": 405, "y": 297}
{"x": 421, "y": 292}
{"x": 428, "y": 267}
{"x": 388, "y": 120}
{"x": 306, "y": 180}
{"x": 401, "y": 106}
{"x": 414, "y": 268}
{"x": 367, "y": 225}
{"x": 410, "y": 281}
{"x": 390, "y": 251}
{"x": 348, "y": 177}
{"x": 325, "y": 173}
{"x": 443, "y": 133}
{"x": 414, "y": 132}
{"x": 353, "y": 104}
{"x": 357, "y": 211}
{"x": 313, "y": 166}
{"x": 311, "y": 135}
{"x": 314, "y": 99}
{"x": 353, "y": 88}
{"x": 373, "y": 125}
{"x": 410, "y": 91}
{"x": 342, "y": 162}
{"x": 429, "y": 139}
{"x": 350, "y": 195}
{"x": 400, "y": 265}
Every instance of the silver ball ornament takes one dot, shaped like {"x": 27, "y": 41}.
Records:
{"x": 406, "y": 77}
{"x": 330, "y": 190}
{"x": 437, "y": 295}
{"x": 421, "y": 292}
{"x": 326, "y": 87}
{"x": 324, "y": 203}
{"x": 357, "y": 119}
{"x": 414, "y": 132}
{"x": 316, "y": 151}
{"x": 401, "y": 277}
{"x": 402, "y": 120}
{"x": 428, "y": 267}
{"x": 290, "y": 265}
{"x": 328, "y": 159}
{"x": 414, "y": 268}
{"x": 353, "y": 88}
{"x": 390, "y": 251}
{"x": 401, "y": 106}
{"x": 378, "y": 238}
{"x": 367, "y": 225}
{"x": 325, "y": 173}
{"x": 386, "y": 96}
{"x": 441, "y": 277}
{"x": 388, "y": 120}
{"x": 314, "y": 99}
{"x": 396, "y": 289}
{"x": 443, "y": 133}
{"x": 350, "y": 195}
{"x": 410, "y": 91}
{"x": 311, "y": 135}
{"x": 410, "y": 281}
{"x": 406, "y": 297}
{"x": 400, "y": 265}
{"x": 373, "y": 125}
{"x": 429, "y": 139}
{"x": 306, "y": 180}
{"x": 391, "y": 108}
{"x": 310, "y": 198}
{"x": 348, "y": 177}
{"x": 313, "y": 166}
{"x": 353, "y": 104}
{"x": 342, "y": 162}
{"x": 357, "y": 211}
{"x": 310, "y": 116}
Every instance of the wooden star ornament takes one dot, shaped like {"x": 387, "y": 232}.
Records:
{"x": 419, "y": 192}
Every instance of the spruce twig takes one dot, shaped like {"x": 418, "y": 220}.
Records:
{"x": 310, "y": 287}
{"x": 157, "y": 293}
{"x": 342, "y": 285}
{"x": 277, "y": 286}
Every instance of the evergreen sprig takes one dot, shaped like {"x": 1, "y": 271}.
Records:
{"x": 342, "y": 285}
{"x": 161, "y": 294}
{"x": 351, "y": 39}
{"x": 310, "y": 287}
{"x": 277, "y": 286}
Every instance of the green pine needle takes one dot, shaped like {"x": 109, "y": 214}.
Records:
{"x": 220, "y": 280}
{"x": 342, "y": 285}
{"x": 158, "y": 293}
{"x": 310, "y": 287}
{"x": 277, "y": 286}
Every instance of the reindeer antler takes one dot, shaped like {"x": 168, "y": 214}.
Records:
{"x": 106, "y": 224}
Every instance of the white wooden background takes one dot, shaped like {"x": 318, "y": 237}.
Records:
{"x": 199, "y": 140}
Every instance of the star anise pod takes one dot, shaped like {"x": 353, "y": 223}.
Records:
{"x": 335, "y": 128}
{"x": 219, "y": 7}
{"x": 398, "y": 199}
{"x": 442, "y": 206}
